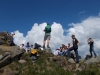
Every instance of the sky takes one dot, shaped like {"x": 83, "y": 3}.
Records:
{"x": 27, "y": 19}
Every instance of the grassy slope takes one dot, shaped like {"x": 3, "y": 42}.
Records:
{"x": 44, "y": 67}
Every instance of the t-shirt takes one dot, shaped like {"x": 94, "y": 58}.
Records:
{"x": 28, "y": 46}
{"x": 48, "y": 29}
{"x": 91, "y": 43}
{"x": 75, "y": 42}
{"x": 22, "y": 47}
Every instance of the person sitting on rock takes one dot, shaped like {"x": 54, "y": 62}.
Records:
{"x": 63, "y": 46}
{"x": 57, "y": 51}
{"x": 12, "y": 40}
{"x": 69, "y": 45}
{"x": 64, "y": 51}
{"x": 60, "y": 51}
{"x": 28, "y": 48}
{"x": 32, "y": 47}
{"x": 36, "y": 46}
{"x": 22, "y": 47}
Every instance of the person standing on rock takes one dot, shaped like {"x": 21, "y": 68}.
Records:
{"x": 47, "y": 35}
{"x": 91, "y": 43}
{"x": 12, "y": 39}
{"x": 74, "y": 47}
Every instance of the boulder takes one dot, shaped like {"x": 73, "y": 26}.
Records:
{"x": 5, "y": 61}
{"x": 71, "y": 61}
{"x": 5, "y": 38}
{"x": 9, "y": 54}
{"x": 73, "y": 54}
{"x": 22, "y": 61}
{"x": 93, "y": 60}
{"x": 88, "y": 57}
{"x": 1, "y": 57}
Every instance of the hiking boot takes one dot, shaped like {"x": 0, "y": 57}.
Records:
{"x": 48, "y": 46}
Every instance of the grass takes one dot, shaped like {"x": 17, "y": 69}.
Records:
{"x": 44, "y": 67}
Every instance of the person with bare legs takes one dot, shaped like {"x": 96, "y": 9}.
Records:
{"x": 47, "y": 35}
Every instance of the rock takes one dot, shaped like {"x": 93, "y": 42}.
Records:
{"x": 82, "y": 67}
{"x": 92, "y": 60}
{"x": 71, "y": 61}
{"x": 1, "y": 70}
{"x": 4, "y": 55}
{"x": 5, "y": 38}
{"x": 2, "y": 41}
{"x": 78, "y": 68}
{"x": 22, "y": 61}
{"x": 81, "y": 60}
{"x": 5, "y": 61}
{"x": 10, "y": 54}
{"x": 73, "y": 54}
{"x": 1, "y": 57}
{"x": 87, "y": 57}
{"x": 8, "y": 41}
{"x": 34, "y": 57}
{"x": 48, "y": 50}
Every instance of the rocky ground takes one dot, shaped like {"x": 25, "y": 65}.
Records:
{"x": 48, "y": 64}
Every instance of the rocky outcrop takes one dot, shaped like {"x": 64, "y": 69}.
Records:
{"x": 88, "y": 57}
{"x": 93, "y": 60}
{"x": 9, "y": 54}
{"x": 5, "y": 38}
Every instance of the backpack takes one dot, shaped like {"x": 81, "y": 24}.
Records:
{"x": 47, "y": 29}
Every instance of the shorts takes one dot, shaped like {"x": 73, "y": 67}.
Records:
{"x": 47, "y": 37}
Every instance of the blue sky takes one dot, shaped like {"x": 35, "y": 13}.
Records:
{"x": 22, "y": 14}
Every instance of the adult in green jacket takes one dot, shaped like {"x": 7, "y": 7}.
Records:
{"x": 47, "y": 35}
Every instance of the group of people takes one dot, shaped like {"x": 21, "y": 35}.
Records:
{"x": 60, "y": 51}
{"x": 29, "y": 47}
{"x": 32, "y": 49}
{"x": 66, "y": 50}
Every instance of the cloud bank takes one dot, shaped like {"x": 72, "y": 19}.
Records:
{"x": 89, "y": 27}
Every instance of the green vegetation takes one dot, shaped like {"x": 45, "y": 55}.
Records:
{"x": 44, "y": 66}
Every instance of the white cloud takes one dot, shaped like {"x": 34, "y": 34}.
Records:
{"x": 87, "y": 28}
{"x": 81, "y": 12}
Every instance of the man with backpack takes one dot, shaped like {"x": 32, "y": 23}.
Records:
{"x": 47, "y": 35}
{"x": 74, "y": 47}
